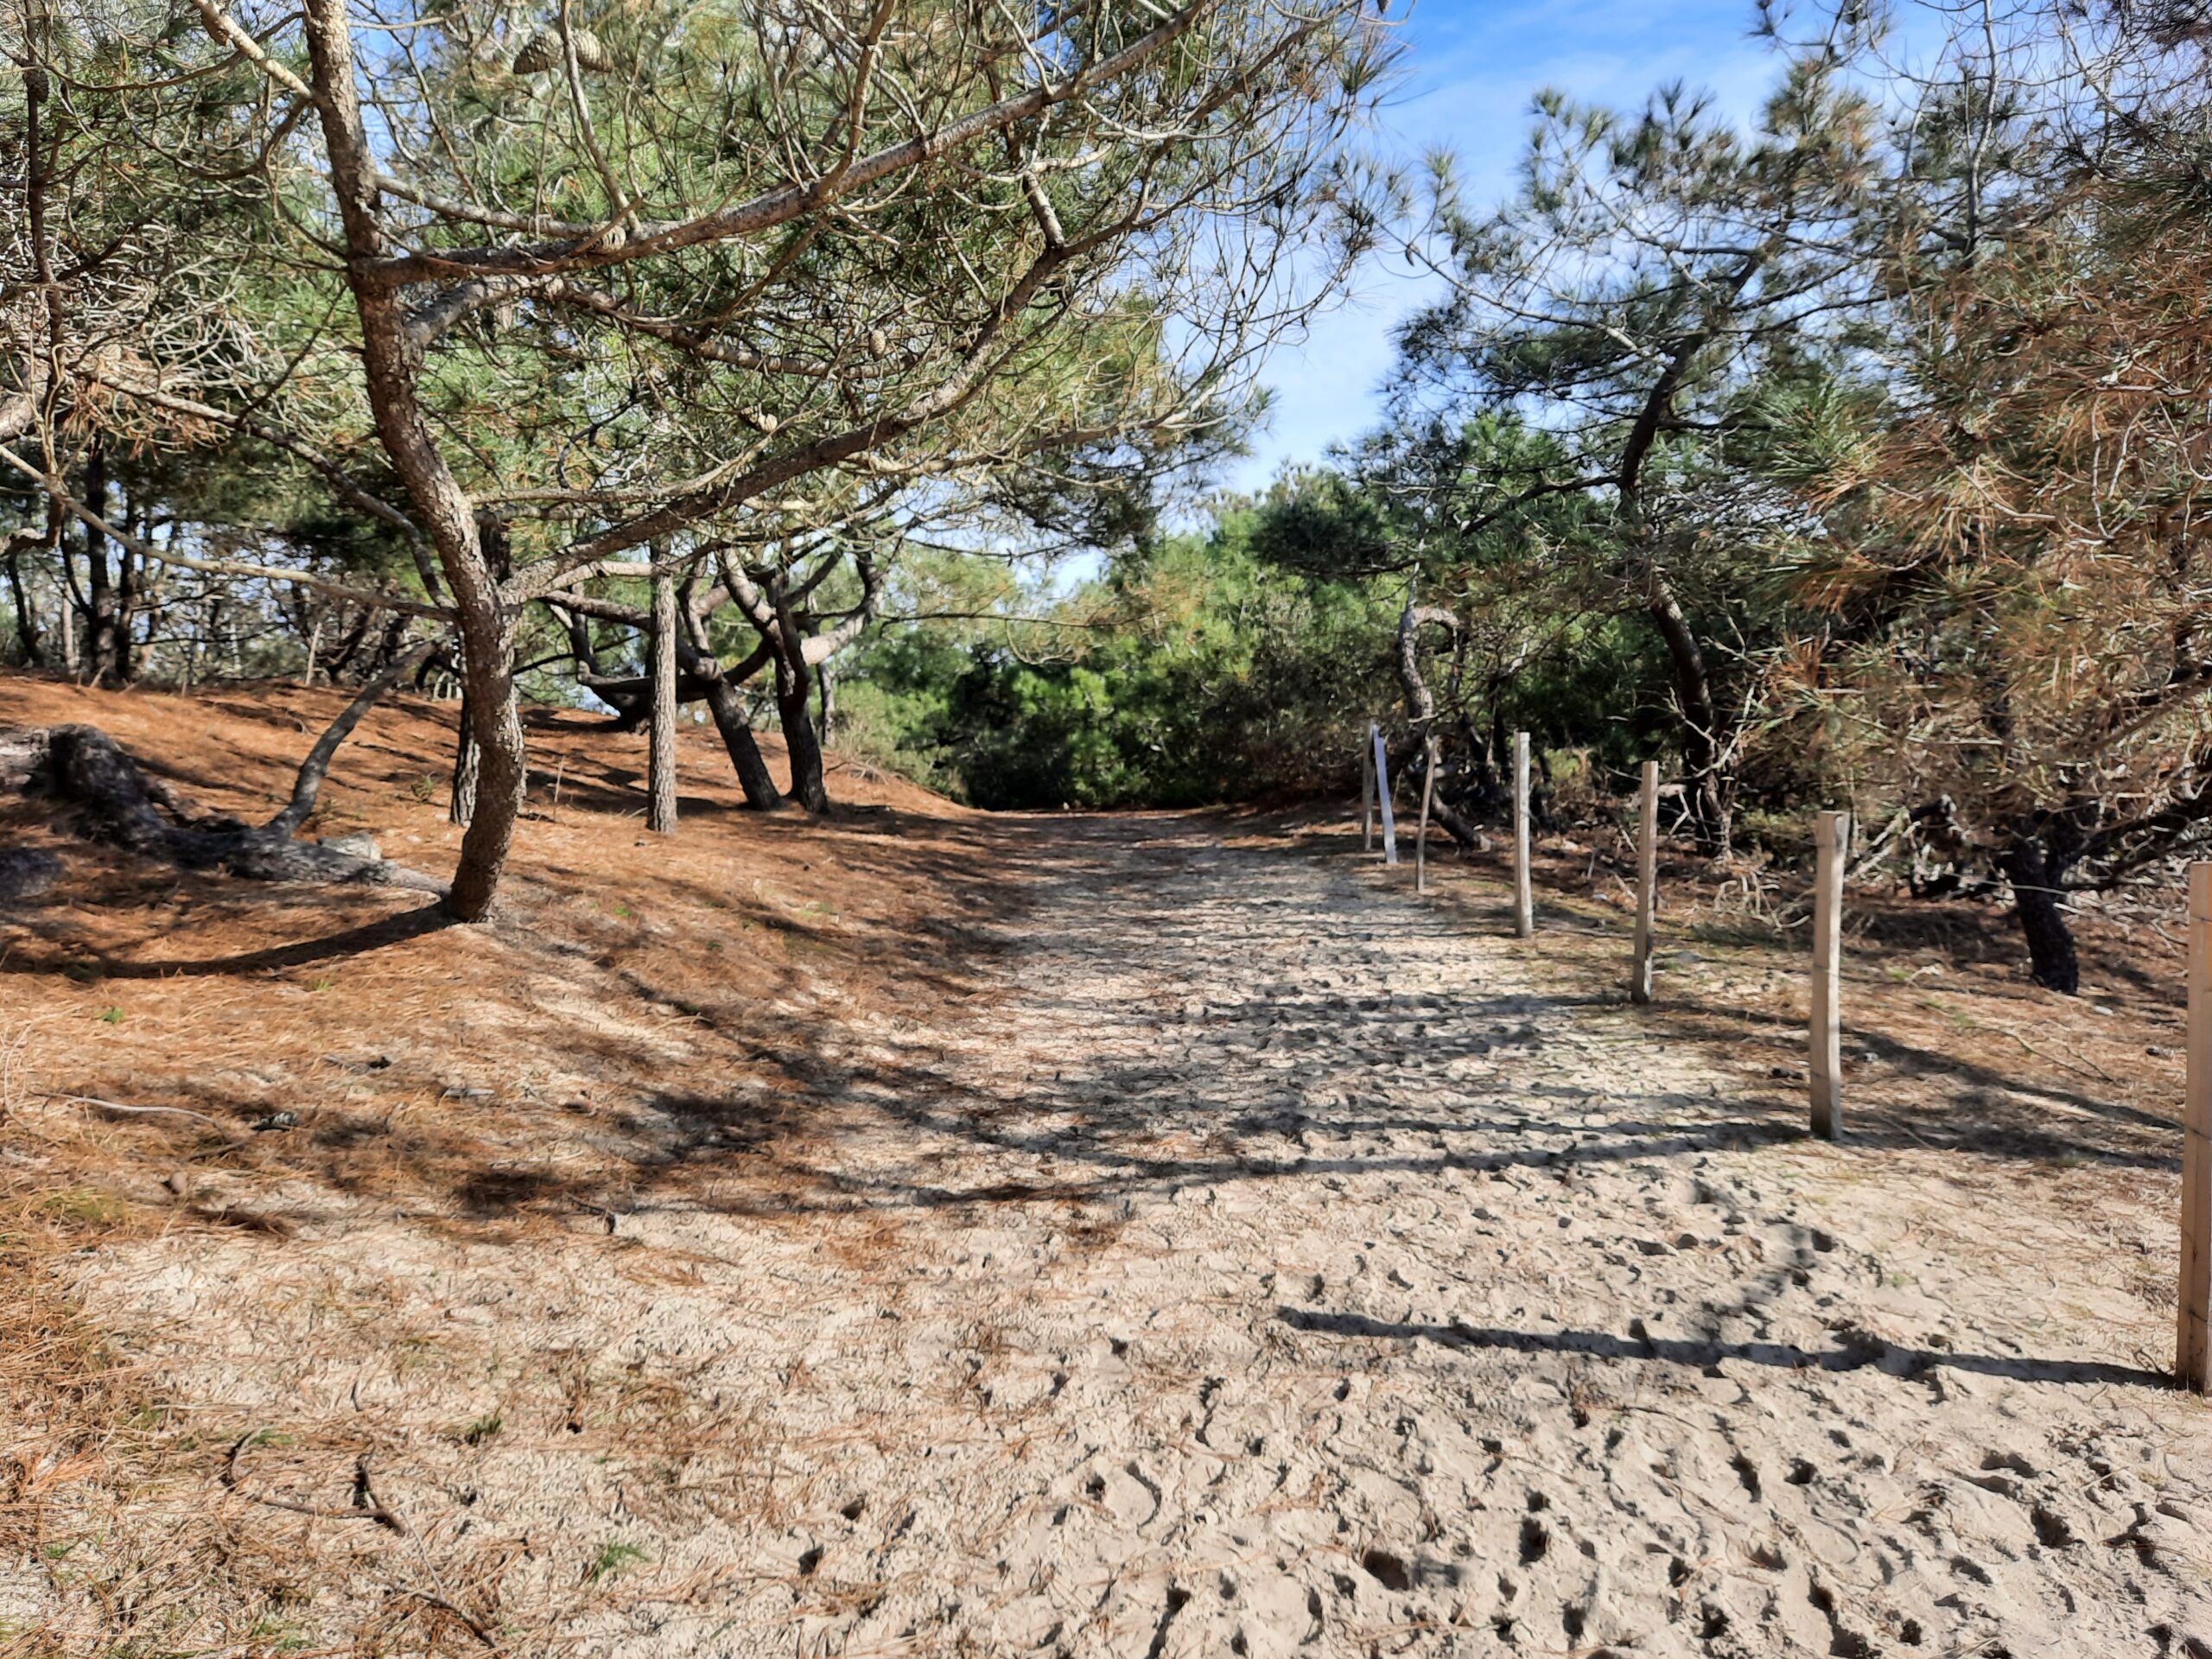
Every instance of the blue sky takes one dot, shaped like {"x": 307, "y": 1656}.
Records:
{"x": 1470, "y": 68}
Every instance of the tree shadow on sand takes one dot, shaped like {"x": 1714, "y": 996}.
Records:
{"x": 1859, "y": 1354}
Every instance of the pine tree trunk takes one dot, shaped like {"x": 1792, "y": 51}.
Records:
{"x": 1710, "y": 813}
{"x": 65, "y": 618}
{"x": 462, "y": 808}
{"x": 99, "y": 637}
{"x": 660, "y": 769}
{"x": 2036, "y": 871}
{"x": 800, "y": 739}
{"x": 727, "y": 704}
{"x": 127, "y": 574}
{"x": 26, "y": 617}
{"x": 392, "y": 367}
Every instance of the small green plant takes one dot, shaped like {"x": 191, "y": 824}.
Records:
{"x": 113, "y": 1017}
{"x": 615, "y": 1556}
{"x": 82, "y": 1204}
{"x": 322, "y": 984}
{"x": 481, "y": 1430}
{"x": 425, "y": 788}
{"x": 279, "y": 1633}
{"x": 622, "y": 911}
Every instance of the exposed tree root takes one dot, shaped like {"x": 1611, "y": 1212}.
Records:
{"x": 118, "y": 804}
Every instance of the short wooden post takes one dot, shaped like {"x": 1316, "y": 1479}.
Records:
{"x": 1367, "y": 791}
{"x": 2193, "y": 1355}
{"x": 1647, "y": 884}
{"x": 1427, "y": 794}
{"x": 1382, "y": 798}
{"x": 1525, "y": 903}
{"x": 1832, "y": 843}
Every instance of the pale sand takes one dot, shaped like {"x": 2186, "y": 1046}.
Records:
{"x": 1272, "y": 1269}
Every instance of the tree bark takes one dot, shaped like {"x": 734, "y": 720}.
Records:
{"x": 308, "y": 784}
{"x": 390, "y": 365}
{"x": 2036, "y": 868}
{"x": 660, "y": 768}
{"x": 727, "y": 705}
{"x": 99, "y": 592}
{"x": 460, "y": 804}
{"x": 127, "y": 581}
{"x": 1421, "y": 704}
{"x": 793, "y": 683}
{"x": 27, "y": 630}
{"x": 1710, "y": 813}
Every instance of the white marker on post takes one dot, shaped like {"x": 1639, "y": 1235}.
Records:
{"x": 1525, "y": 903}
{"x": 1382, "y": 795}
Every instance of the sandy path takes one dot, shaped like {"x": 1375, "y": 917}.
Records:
{"x": 1273, "y": 1268}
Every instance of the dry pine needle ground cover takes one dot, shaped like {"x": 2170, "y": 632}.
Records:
{"x": 920, "y": 1232}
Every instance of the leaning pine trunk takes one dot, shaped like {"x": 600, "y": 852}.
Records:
{"x": 390, "y": 365}
{"x": 727, "y": 704}
{"x": 660, "y": 768}
{"x": 793, "y": 683}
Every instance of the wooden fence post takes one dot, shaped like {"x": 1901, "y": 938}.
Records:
{"x": 1524, "y": 904}
{"x": 2193, "y": 1352}
{"x": 1367, "y": 791}
{"x": 1427, "y": 794}
{"x": 1832, "y": 841}
{"x": 1382, "y": 797}
{"x": 1647, "y": 883}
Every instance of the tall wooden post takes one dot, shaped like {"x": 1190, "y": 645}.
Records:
{"x": 2193, "y": 1353}
{"x": 1832, "y": 843}
{"x": 1525, "y": 903}
{"x": 660, "y": 765}
{"x": 1647, "y": 883}
{"x": 1382, "y": 797}
{"x": 1367, "y": 791}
